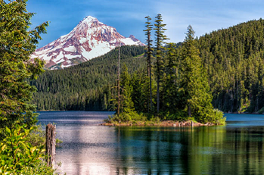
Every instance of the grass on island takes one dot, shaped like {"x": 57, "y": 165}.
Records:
{"x": 136, "y": 119}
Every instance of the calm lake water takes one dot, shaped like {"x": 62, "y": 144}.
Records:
{"x": 87, "y": 148}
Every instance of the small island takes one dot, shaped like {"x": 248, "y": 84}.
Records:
{"x": 172, "y": 91}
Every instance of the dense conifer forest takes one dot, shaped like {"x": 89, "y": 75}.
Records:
{"x": 233, "y": 60}
{"x": 86, "y": 86}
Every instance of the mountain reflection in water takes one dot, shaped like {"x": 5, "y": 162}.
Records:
{"x": 87, "y": 148}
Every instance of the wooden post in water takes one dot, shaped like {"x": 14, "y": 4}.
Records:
{"x": 50, "y": 144}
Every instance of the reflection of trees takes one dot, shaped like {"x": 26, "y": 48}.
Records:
{"x": 219, "y": 150}
{"x": 203, "y": 150}
{"x": 149, "y": 150}
{"x": 201, "y": 145}
{"x": 245, "y": 146}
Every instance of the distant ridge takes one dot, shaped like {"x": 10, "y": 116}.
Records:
{"x": 89, "y": 39}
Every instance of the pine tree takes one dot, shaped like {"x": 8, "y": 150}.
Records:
{"x": 17, "y": 42}
{"x": 149, "y": 55}
{"x": 126, "y": 89}
{"x": 169, "y": 93}
{"x": 194, "y": 83}
{"x": 118, "y": 82}
{"x": 160, "y": 38}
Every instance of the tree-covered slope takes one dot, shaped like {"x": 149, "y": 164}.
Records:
{"x": 233, "y": 59}
{"x": 86, "y": 86}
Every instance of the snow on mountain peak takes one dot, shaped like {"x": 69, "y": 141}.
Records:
{"x": 89, "y": 39}
{"x": 89, "y": 19}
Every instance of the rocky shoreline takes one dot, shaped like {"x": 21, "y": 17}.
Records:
{"x": 167, "y": 123}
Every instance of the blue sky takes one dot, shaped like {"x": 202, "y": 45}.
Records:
{"x": 128, "y": 16}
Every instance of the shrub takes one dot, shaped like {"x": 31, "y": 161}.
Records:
{"x": 18, "y": 156}
{"x": 261, "y": 111}
{"x": 218, "y": 117}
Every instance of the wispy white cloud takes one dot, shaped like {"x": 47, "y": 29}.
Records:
{"x": 128, "y": 16}
{"x": 205, "y": 16}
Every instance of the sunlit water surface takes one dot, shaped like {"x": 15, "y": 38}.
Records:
{"x": 90, "y": 149}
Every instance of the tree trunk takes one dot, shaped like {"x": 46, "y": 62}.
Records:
{"x": 158, "y": 102}
{"x": 150, "y": 90}
{"x": 118, "y": 83}
{"x": 189, "y": 111}
{"x": 50, "y": 144}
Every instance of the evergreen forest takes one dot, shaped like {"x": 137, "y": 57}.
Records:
{"x": 86, "y": 86}
{"x": 231, "y": 58}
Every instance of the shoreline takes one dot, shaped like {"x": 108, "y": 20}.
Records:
{"x": 166, "y": 123}
{"x": 114, "y": 111}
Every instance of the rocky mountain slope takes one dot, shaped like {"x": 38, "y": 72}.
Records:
{"x": 89, "y": 39}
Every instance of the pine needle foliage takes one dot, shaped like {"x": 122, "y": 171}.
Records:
{"x": 17, "y": 42}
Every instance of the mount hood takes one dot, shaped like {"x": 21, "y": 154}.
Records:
{"x": 89, "y": 39}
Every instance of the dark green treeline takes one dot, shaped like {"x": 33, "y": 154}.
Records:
{"x": 86, "y": 86}
{"x": 233, "y": 60}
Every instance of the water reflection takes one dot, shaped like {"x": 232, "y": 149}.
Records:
{"x": 86, "y": 149}
{"x": 204, "y": 150}
{"x": 236, "y": 148}
{"x": 166, "y": 150}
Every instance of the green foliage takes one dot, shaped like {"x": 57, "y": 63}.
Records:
{"x": 233, "y": 59}
{"x": 185, "y": 88}
{"x": 261, "y": 111}
{"x": 154, "y": 119}
{"x": 86, "y": 86}
{"x": 193, "y": 83}
{"x": 17, "y": 42}
{"x": 58, "y": 142}
{"x": 179, "y": 115}
{"x": 185, "y": 92}
{"x": 170, "y": 96}
{"x": 160, "y": 38}
{"x": 37, "y": 136}
{"x": 18, "y": 156}
{"x": 149, "y": 52}
{"x": 127, "y": 105}
{"x": 140, "y": 93}
{"x": 131, "y": 116}
{"x": 217, "y": 117}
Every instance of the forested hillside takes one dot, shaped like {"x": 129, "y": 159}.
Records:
{"x": 86, "y": 86}
{"x": 234, "y": 60}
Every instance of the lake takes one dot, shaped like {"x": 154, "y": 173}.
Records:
{"x": 88, "y": 148}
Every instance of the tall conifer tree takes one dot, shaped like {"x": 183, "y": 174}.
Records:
{"x": 194, "y": 81}
{"x": 149, "y": 55}
{"x": 160, "y": 38}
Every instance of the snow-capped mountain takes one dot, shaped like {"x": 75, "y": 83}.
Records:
{"x": 89, "y": 39}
